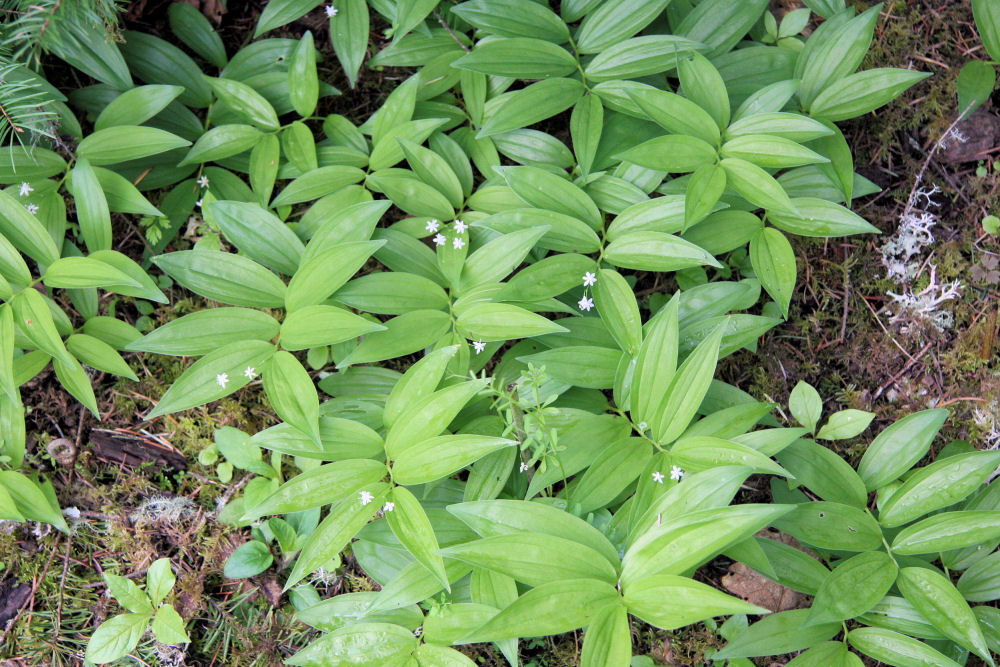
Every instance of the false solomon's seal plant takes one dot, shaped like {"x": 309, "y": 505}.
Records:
{"x": 536, "y": 456}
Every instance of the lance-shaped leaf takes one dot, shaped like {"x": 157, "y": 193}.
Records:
{"x": 669, "y": 601}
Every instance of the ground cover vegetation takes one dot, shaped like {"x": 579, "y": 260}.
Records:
{"x": 452, "y": 350}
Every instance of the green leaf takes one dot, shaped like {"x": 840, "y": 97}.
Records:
{"x": 245, "y": 102}
{"x": 315, "y": 326}
{"x": 88, "y": 49}
{"x": 335, "y": 532}
{"x": 987, "y": 16}
{"x": 896, "y": 449}
{"x": 703, "y": 85}
{"x": 976, "y": 81}
{"x": 672, "y": 153}
{"x": 411, "y": 194}
{"x": 433, "y": 170}
{"x": 317, "y": 183}
{"x": 128, "y": 594}
{"x": 514, "y": 18}
{"x": 405, "y": 334}
{"x": 773, "y": 261}
{"x": 610, "y": 24}
{"x": 896, "y": 649}
{"x": 159, "y": 580}
{"x": 830, "y": 525}
{"x": 827, "y": 654}
{"x": 225, "y": 277}
{"x": 168, "y": 626}
{"x": 518, "y": 57}
{"x": 608, "y": 641}
{"x": 686, "y": 390}
{"x": 529, "y": 105}
{"x": 358, "y": 645}
{"x": 222, "y": 142}
{"x": 491, "y": 518}
{"x": 542, "y": 189}
{"x": 981, "y": 582}
{"x": 441, "y": 456}
{"x": 534, "y": 558}
{"x": 655, "y": 364}
{"x": 500, "y": 321}
{"x": 551, "y": 608}
{"x": 656, "y": 251}
{"x": 258, "y": 234}
{"x": 207, "y": 330}
{"x": 939, "y": 601}
{"x": 783, "y": 632}
{"x": 845, "y": 424}
{"x": 391, "y": 292}
{"x": 217, "y": 374}
{"x": 757, "y": 187}
{"x": 585, "y": 366}
{"x": 770, "y": 152}
{"x": 429, "y": 655}
{"x": 837, "y": 56}
{"x": 155, "y": 60}
{"x": 947, "y": 531}
{"x": 25, "y": 232}
{"x": 805, "y": 405}
{"x": 494, "y": 261}
{"x": 638, "y": 57}
{"x": 698, "y": 453}
{"x": 669, "y": 601}
{"x": 292, "y": 393}
{"x": 824, "y": 472}
{"x": 706, "y": 186}
{"x": 191, "y": 27}
{"x": 862, "y": 92}
{"x": 938, "y": 485}
{"x": 349, "y": 35}
{"x": 98, "y": 354}
{"x": 76, "y": 381}
{"x": 819, "y": 218}
{"x": 618, "y": 308}
{"x": 33, "y": 319}
{"x": 249, "y": 560}
{"x": 329, "y": 483}
{"x": 720, "y": 24}
{"x": 303, "y": 84}
{"x": 122, "y": 143}
{"x": 78, "y": 272}
{"x": 854, "y": 587}
{"x": 116, "y": 637}
{"x": 410, "y": 525}
{"x": 786, "y": 125}
{"x": 136, "y": 106}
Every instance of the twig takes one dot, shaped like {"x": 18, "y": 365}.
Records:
{"x": 444, "y": 24}
{"x": 912, "y": 200}
{"x": 62, "y": 587}
{"x": 909, "y": 364}
{"x": 894, "y": 341}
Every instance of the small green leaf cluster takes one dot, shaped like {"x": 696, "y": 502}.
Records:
{"x": 119, "y": 635}
{"x": 511, "y": 441}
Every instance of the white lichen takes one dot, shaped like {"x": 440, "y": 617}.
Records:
{"x": 162, "y": 508}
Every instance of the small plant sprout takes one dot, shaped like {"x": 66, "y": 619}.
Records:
{"x": 25, "y": 189}
{"x": 366, "y": 497}
{"x": 222, "y": 379}
{"x": 585, "y": 303}
{"x": 440, "y": 239}
{"x": 658, "y": 477}
{"x": 432, "y": 225}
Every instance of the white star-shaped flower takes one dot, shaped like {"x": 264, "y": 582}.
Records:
{"x": 222, "y": 379}
{"x": 331, "y": 11}
{"x": 25, "y": 189}
{"x": 658, "y": 477}
{"x": 250, "y": 373}
{"x": 366, "y": 497}
{"x": 457, "y": 243}
{"x": 643, "y": 427}
{"x": 32, "y": 208}
{"x": 439, "y": 239}
{"x": 589, "y": 279}
{"x": 460, "y": 226}
{"x": 479, "y": 345}
{"x": 676, "y": 473}
{"x": 524, "y": 467}
{"x": 198, "y": 203}
{"x": 203, "y": 181}
{"x": 432, "y": 225}
{"x": 388, "y": 507}
{"x": 586, "y": 303}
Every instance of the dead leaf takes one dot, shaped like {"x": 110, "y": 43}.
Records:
{"x": 748, "y": 584}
